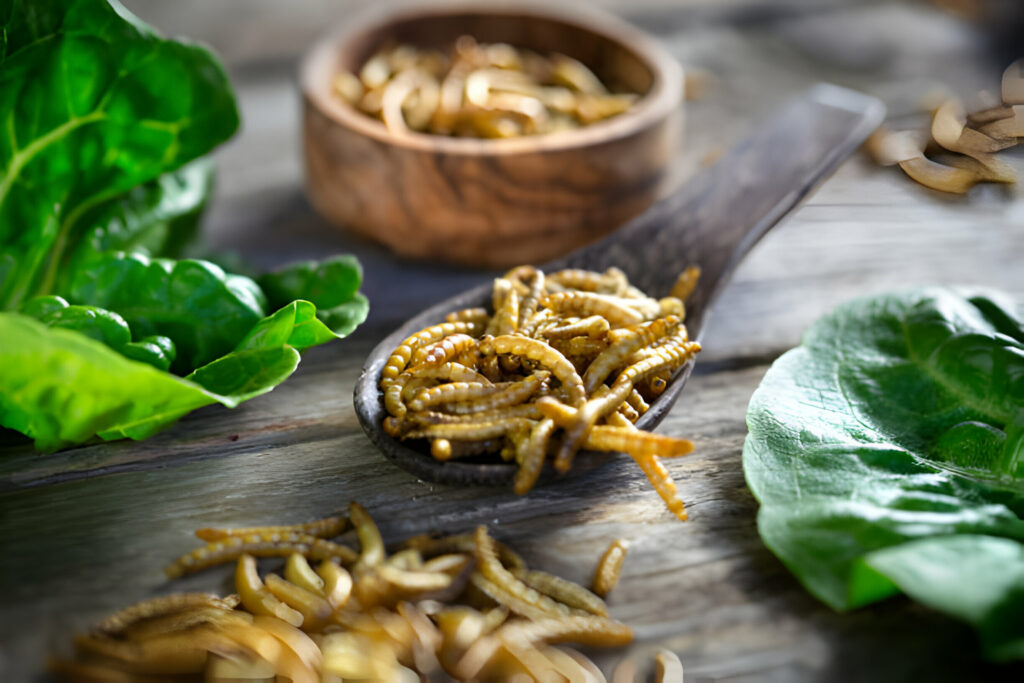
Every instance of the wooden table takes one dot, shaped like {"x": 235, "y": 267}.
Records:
{"x": 88, "y": 530}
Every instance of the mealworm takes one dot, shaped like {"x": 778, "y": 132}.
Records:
{"x": 401, "y": 356}
{"x": 272, "y": 545}
{"x": 591, "y": 630}
{"x": 584, "y": 280}
{"x": 538, "y": 321}
{"x": 667, "y": 667}
{"x": 371, "y": 545}
{"x": 462, "y": 431}
{"x": 685, "y": 283}
{"x": 637, "y": 402}
{"x": 315, "y": 610}
{"x": 408, "y": 558}
{"x": 329, "y": 527}
{"x": 175, "y": 653}
{"x": 538, "y": 351}
{"x": 628, "y": 411}
{"x": 298, "y": 571}
{"x": 672, "y": 306}
{"x": 533, "y": 453}
{"x": 429, "y": 417}
{"x": 462, "y": 449}
{"x": 531, "y": 298}
{"x": 478, "y": 316}
{"x": 182, "y": 621}
{"x": 453, "y": 392}
{"x": 508, "y": 395}
{"x": 663, "y": 484}
{"x": 635, "y": 442}
{"x": 414, "y": 581}
{"x": 449, "y": 564}
{"x": 593, "y": 326}
{"x": 589, "y": 303}
{"x": 444, "y": 350}
{"x": 157, "y": 607}
{"x": 627, "y": 342}
{"x": 609, "y": 567}
{"x": 586, "y": 348}
{"x": 337, "y": 583}
{"x": 566, "y": 592}
{"x": 452, "y": 372}
{"x": 505, "y": 300}
{"x": 430, "y": 546}
{"x": 257, "y": 598}
{"x": 494, "y": 571}
{"x": 304, "y": 648}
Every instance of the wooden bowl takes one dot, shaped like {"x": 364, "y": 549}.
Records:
{"x": 483, "y": 202}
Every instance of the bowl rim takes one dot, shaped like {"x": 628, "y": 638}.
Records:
{"x": 661, "y": 100}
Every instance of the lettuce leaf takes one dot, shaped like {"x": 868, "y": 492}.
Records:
{"x": 886, "y": 452}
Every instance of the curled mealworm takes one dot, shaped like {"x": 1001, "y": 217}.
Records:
{"x": 627, "y": 342}
{"x": 593, "y": 326}
{"x": 443, "y": 350}
{"x": 315, "y": 610}
{"x": 401, "y": 356}
{"x": 257, "y": 598}
{"x": 590, "y": 303}
{"x": 298, "y": 572}
{"x": 337, "y": 583}
{"x": 540, "y": 352}
{"x": 430, "y": 546}
{"x": 609, "y": 567}
{"x": 371, "y": 545}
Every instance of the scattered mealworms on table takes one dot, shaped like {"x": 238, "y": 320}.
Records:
{"x": 568, "y": 360}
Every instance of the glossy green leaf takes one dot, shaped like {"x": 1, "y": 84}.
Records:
{"x": 331, "y": 285}
{"x": 95, "y": 104}
{"x": 898, "y": 421}
{"x": 154, "y": 350}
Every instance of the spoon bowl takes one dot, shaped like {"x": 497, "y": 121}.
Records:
{"x": 712, "y": 222}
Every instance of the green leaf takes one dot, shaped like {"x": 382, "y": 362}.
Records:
{"x": 896, "y": 423}
{"x": 248, "y": 373}
{"x": 205, "y": 311}
{"x": 295, "y": 324}
{"x": 62, "y": 388}
{"x": 331, "y": 285}
{"x": 92, "y": 104}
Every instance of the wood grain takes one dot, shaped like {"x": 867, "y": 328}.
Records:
{"x": 87, "y": 531}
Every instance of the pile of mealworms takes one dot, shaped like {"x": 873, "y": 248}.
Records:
{"x": 479, "y": 90}
{"x": 463, "y": 606}
{"x": 565, "y": 361}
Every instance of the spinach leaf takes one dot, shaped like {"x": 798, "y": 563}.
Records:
{"x": 93, "y": 105}
{"x": 889, "y": 442}
{"x": 331, "y": 285}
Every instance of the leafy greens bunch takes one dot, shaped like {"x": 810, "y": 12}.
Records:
{"x": 888, "y": 456}
{"x": 103, "y": 177}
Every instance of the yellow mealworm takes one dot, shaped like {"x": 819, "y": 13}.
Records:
{"x": 315, "y": 610}
{"x": 589, "y": 303}
{"x": 538, "y": 321}
{"x": 493, "y": 570}
{"x": 257, "y": 598}
{"x": 637, "y": 402}
{"x": 178, "y": 653}
{"x": 430, "y": 546}
{"x": 183, "y": 621}
{"x": 533, "y": 453}
{"x": 393, "y": 402}
{"x": 401, "y": 356}
{"x": 462, "y": 449}
{"x": 538, "y": 351}
{"x": 505, "y": 299}
{"x": 371, "y": 545}
{"x": 531, "y": 299}
{"x": 448, "y": 564}
{"x": 271, "y": 545}
{"x": 672, "y": 306}
{"x": 635, "y": 442}
{"x": 627, "y": 342}
{"x": 444, "y": 350}
{"x": 586, "y": 348}
{"x": 609, "y": 567}
{"x": 337, "y": 583}
{"x": 566, "y": 592}
{"x": 429, "y": 417}
{"x": 301, "y": 645}
{"x": 508, "y": 395}
{"x": 157, "y": 607}
{"x": 685, "y": 283}
{"x": 628, "y": 411}
{"x": 453, "y": 392}
{"x": 452, "y": 372}
{"x": 329, "y": 527}
{"x": 517, "y": 604}
{"x": 478, "y": 316}
{"x": 298, "y": 571}
{"x": 414, "y": 581}
{"x": 593, "y": 326}
{"x": 574, "y": 278}
{"x": 663, "y": 484}
{"x": 587, "y": 629}
{"x": 408, "y": 558}
{"x": 667, "y": 667}
{"x": 462, "y": 431}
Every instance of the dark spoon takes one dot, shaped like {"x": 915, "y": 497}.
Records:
{"x": 712, "y": 221}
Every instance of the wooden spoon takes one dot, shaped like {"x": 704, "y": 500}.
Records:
{"x": 712, "y": 222}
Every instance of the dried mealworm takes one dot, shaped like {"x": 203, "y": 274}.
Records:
{"x": 462, "y": 431}
{"x": 451, "y": 372}
{"x": 609, "y": 567}
{"x": 584, "y": 280}
{"x": 271, "y": 545}
{"x": 627, "y": 342}
{"x": 686, "y": 283}
{"x": 670, "y": 305}
{"x": 663, "y": 484}
{"x": 315, "y": 610}
{"x": 401, "y": 356}
{"x": 628, "y": 411}
{"x": 414, "y": 581}
{"x": 371, "y": 545}
{"x": 540, "y": 352}
{"x": 183, "y": 621}
{"x": 449, "y": 564}
{"x": 668, "y": 668}
{"x": 509, "y": 395}
{"x": 430, "y": 546}
{"x": 434, "y": 417}
{"x": 531, "y": 299}
{"x": 566, "y": 592}
{"x": 298, "y": 571}
{"x": 635, "y": 442}
{"x": 453, "y": 392}
{"x": 408, "y": 558}
{"x": 443, "y": 350}
{"x": 578, "y": 628}
{"x": 462, "y": 449}
{"x": 329, "y": 527}
{"x": 177, "y": 653}
{"x": 637, "y": 402}
{"x": 593, "y": 326}
{"x": 157, "y": 607}
{"x": 538, "y": 321}
{"x": 494, "y": 571}
{"x": 590, "y": 303}
{"x": 506, "y": 309}
{"x": 257, "y": 598}
{"x": 479, "y": 316}
{"x": 337, "y": 583}
{"x": 533, "y": 453}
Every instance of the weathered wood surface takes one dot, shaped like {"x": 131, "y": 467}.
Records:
{"x": 88, "y": 530}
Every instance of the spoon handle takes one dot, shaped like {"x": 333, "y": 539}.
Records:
{"x": 714, "y": 219}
